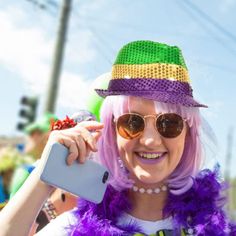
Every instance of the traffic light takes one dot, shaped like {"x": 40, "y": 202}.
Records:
{"x": 28, "y": 111}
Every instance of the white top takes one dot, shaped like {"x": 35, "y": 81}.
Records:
{"x": 148, "y": 227}
{"x": 57, "y": 226}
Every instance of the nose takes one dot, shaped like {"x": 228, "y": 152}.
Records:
{"x": 150, "y": 136}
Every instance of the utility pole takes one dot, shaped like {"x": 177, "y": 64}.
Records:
{"x": 229, "y": 154}
{"x": 58, "y": 56}
{"x": 227, "y": 170}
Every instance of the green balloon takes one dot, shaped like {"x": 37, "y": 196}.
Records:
{"x": 94, "y": 101}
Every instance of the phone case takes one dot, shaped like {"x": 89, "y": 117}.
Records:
{"x": 88, "y": 180}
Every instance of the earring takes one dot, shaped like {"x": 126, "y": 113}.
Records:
{"x": 121, "y": 164}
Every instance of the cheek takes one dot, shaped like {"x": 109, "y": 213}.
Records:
{"x": 125, "y": 147}
{"x": 176, "y": 147}
{"x": 180, "y": 150}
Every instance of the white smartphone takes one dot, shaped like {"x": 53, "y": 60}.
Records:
{"x": 88, "y": 180}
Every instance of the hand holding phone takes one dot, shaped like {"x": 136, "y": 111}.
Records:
{"x": 88, "y": 180}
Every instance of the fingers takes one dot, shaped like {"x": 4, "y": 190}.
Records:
{"x": 90, "y": 131}
{"x": 80, "y": 140}
{"x": 72, "y": 148}
{"x": 97, "y": 135}
{"x": 89, "y": 139}
{"x": 82, "y": 149}
{"x": 91, "y": 125}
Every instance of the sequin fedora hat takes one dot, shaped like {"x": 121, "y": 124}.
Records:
{"x": 153, "y": 71}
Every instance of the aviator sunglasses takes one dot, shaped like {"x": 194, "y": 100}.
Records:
{"x": 132, "y": 125}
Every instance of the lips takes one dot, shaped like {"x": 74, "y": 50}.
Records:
{"x": 150, "y": 157}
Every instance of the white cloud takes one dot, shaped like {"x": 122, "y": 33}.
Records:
{"x": 28, "y": 52}
{"x": 79, "y": 50}
{"x": 73, "y": 91}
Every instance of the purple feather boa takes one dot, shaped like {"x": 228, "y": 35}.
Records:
{"x": 101, "y": 219}
{"x": 200, "y": 208}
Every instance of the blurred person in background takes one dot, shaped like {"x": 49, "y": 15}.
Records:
{"x": 36, "y": 139}
{"x": 10, "y": 159}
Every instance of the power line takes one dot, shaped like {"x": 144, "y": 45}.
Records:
{"x": 217, "y": 66}
{"x": 38, "y": 4}
{"x": 139, "y": 28}
{"x": 45, "y": 6}
{"x": 98, "y": 38}
{"x": 198, "y": 20}
{"x": 98, "y": 46}
{"x": 52, "y": 3}
{"x": 210, "y": 20}
{"x": 102, "y": 39}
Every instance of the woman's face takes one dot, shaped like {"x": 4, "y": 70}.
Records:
{"x": 136, "y": 153}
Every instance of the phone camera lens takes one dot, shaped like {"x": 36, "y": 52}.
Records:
{"x": 105, "y": 177}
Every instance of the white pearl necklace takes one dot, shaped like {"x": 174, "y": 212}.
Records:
{"x": 149, "y": 190}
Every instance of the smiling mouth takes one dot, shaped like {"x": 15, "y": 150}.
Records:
{"x": 151, "y": 156}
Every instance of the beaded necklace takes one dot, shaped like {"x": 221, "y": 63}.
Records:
{"x": 149, "y": 190}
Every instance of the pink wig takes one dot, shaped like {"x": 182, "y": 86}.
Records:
{"x": 181, "y": 178}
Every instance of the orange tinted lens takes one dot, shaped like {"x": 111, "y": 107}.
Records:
{"x": 170, "y": 125}
{"x": 130, "y": 126}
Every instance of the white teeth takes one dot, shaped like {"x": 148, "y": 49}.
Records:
{"x": 149, "y": 155}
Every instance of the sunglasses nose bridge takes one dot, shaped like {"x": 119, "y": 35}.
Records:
{"x": 150, "y": 116}
{"x": 150, "y": 134}
{"x": 154, "y": 117}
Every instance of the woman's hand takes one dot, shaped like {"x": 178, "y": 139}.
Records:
{"x": 79, "y": 140}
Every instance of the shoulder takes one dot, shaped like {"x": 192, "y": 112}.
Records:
{"x": 207, "y": 186}
{"x": 60, "y": 225}
{"x": 202, "y": 206}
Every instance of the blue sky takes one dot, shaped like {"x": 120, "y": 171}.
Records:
{"x": 98, "y": 28}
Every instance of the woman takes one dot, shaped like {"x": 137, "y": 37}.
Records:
{"x": 149, "y": 139}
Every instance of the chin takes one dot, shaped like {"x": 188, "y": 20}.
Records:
{"x": 148, "y": 178}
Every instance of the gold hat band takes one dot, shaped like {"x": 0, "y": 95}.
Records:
{"x": 154, "y": 71}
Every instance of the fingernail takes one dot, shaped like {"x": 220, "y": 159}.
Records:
{"x": 95, "y": 146}
{"x": 69, "y": 160}
{"x": 81, "y": 161}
